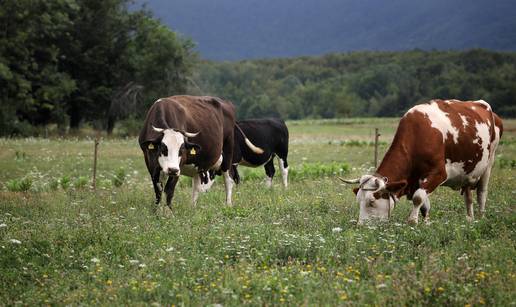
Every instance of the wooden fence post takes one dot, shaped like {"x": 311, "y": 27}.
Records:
{"x": 97, "y": 141}
{"x": 376, "y": 136}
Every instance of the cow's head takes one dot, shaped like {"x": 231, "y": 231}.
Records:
{"x": 173, "y": 149}
{"x": 376, "y": 196}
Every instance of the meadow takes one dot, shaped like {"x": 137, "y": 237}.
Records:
{"x": 62, "y": 243}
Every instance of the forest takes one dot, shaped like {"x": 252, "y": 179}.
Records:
{"x": 361, "y": 83}
{"x": 65, "y": 64}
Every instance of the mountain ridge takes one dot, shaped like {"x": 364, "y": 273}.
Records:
{"x": 236, "y": 30}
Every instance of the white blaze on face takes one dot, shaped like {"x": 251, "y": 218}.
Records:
{"x": 370, "y": 207}
{"x": 438, "y": 119}
{"x": 173, "y": 141}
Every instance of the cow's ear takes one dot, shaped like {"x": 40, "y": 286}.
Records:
{"x": 355, "y": 190}
{"x": 151, "y": 146}
{"x": 396, "y": 186}
{"x": 192, "y": 148}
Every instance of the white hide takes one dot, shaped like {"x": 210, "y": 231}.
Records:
{"x": 173, "y": 140}
{"x": 268, "y": 182}
{"x": 439, "y": 119}
{"x": 482, "y": 102}
{"x": 228, "y": 183}
{"x": 455, "y": 174}
{"x": 464, "y": 120}
{"x": 284, "y": 172}
{"x": 369, "y": 206}
{"x": 483, "y": 136}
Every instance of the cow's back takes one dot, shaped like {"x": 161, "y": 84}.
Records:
{"x": 459, "y": 136}
{"x": 211, "y": 117}
{"x": 270, "y": 134}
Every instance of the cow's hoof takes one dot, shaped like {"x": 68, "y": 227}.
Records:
{"x": 412, "y": 221}
{"x": 427, "y": 221}
{"x": 469, "y": 218}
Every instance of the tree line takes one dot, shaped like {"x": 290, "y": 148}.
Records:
{"x": 361, "y": 83}
{"x": 71, "y": 62}
{"x": 68, "y": 62}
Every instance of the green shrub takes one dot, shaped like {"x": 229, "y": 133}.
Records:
{"x": 20, "y": 156}
{"x": 81, "y": 182}
{"x": 65, "y": 182}
{"x": 53, "y": 184}
{"x": 19, "y": 185}
{"x": 302, "y": 171}
{"x": 506, "y": 163}
{"x": 119, "y": 177}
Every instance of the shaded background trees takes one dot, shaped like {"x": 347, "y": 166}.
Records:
{"x": 75, "y": 61}
{"x": 361, "y": 83}
{"x": 96, "y": 62}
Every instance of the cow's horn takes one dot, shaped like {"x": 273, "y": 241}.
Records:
{"x": 190, "y": 135}
{"x": 157, "y": 129}
{"x": 350, "y": 181}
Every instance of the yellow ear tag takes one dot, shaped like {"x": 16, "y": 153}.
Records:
{"x": 193, "y": 152}
{"x": 151, "y": 146}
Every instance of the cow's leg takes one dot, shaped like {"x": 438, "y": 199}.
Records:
{"x": 269, "y": 170}
{"x": 228, "y": 183}
{"x": 482, "y": 191}
{"x": 225, "y": 167}
{"x": 234, "y": 173}
{"x": 420, "y": 198}
{"x": 282, "y": 153}
{"x": 425, "y": 210}
{"x": 284, "y": 170}
{"x": 196, "y": 188}
{"x": 169, "y": 189}
{"x": 469, "y": 203}
{"x": 158, "y": 187}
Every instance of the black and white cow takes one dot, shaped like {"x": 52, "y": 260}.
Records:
{"x": 271, "y": 135}
{"x": 188, "y": 135}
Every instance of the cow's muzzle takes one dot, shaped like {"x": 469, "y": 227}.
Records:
{"x": 172, "y": 171}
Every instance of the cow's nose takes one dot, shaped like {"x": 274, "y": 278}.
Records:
{"x": 172, "y": 171}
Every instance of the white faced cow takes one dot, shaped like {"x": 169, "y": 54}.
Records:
{"x": 188, "y": 135}
{"x": 270, "y": 134}
{"x": 442, "y": 142}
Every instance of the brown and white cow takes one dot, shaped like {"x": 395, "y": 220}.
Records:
{"x": 442, "y": 142}
{"x": 188, "y": 135}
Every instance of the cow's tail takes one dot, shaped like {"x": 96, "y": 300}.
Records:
{"x": 254, "y": 148}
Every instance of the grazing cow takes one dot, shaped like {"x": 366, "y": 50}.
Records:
{"x": 271, "y": 135}
{"x": 442, "y": 142}
{"x": 188, "y": 135}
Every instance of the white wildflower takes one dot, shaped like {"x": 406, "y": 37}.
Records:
{"x": 3, "y": 225}
{"x": 336, "y": 230}
{"x": 14, "y": 241}
{"x": 134, "y": 261}
{"x": 95, "y": 260}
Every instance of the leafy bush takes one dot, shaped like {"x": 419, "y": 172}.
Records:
{"x": 302, "y": 171}
{"x": 81, "y": 182}
{"x": 53, "y": 184}
{"x": 506, "y": 163}
{"x": 19, "y": 185}
{"x": 65, "y": 182}
{"x": 119, "y": 177}
{"x": 20, "y": 156}
{"x": 129, "y": 127}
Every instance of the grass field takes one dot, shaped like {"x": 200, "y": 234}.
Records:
{"x": 61, "y": 243}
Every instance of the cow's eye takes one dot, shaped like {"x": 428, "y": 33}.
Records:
{"x": 164, "y": 150}
{"x": 181, "y": 149}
